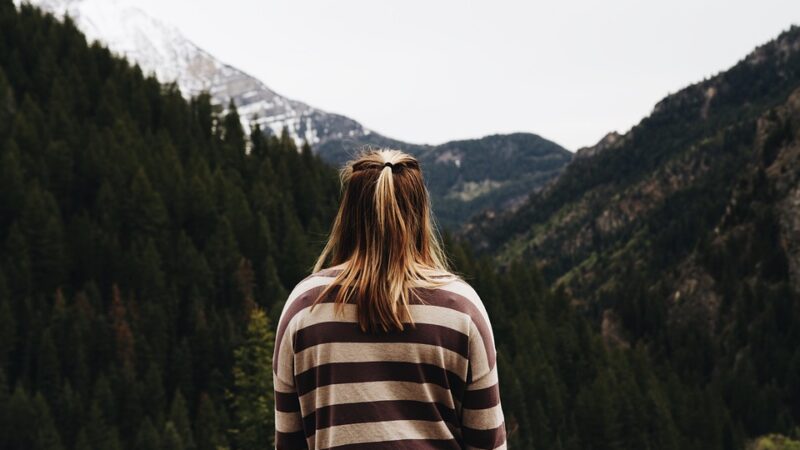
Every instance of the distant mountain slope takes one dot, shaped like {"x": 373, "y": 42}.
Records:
{"x": 493, "y": 173}
{"x": 485, "y": 180}
{"x": 606, "y": 194}
{"x": 161, "y": 49}
{"x": 684, "y": 233}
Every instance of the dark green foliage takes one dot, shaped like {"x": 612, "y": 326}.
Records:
{"x": 147, "y": 438}
{"x": 136, "y": 233}
{"x": 561, "y": 386}
{"x": 681, "y": 237}
{"x": 252, "y": 394}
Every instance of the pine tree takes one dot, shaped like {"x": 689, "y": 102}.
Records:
{"x": 21, "y": 415}
{"x": 147, "y": 438}
{"x": 233, "y": 136}
{"x": 182, "y": 368}
{"x": 179, "y": 417}
{"x": 207, "y": 434}
{"x": 48, "y": 368}
{"x": 252, "y": 393}
{"x": 153, "y": 395}
{"x": 83, "y": 443}
{"x": 172, "y": 438}
{"x": 7, "y": 103}
{"x": 5, "y": 429}
{"x": 12, "y": 186}
{"x": 223, "y": 255}
{"x": 8, "y": 329}
{"x": 123, "y": 335}
{"x": 145, "y": 213}
{"x": 17, "y": 262}
{"x": 47, "y": 437}
{"x": 41, "y": 223}
{"x": 69, "y": 414}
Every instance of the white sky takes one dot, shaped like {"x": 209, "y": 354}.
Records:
{"x": 429, "y": 71}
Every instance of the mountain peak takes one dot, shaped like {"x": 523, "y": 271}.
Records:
{"x": 609, "y": 140}
{"x": 160, "y": 49}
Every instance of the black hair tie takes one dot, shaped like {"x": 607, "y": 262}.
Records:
{"x": 388, "y": 164}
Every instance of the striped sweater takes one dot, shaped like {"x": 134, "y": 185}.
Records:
{"x": 433, "y": 386}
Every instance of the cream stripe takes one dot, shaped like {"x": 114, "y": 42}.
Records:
{"x": 467, "y": 291}
{"x": 303, "y": 287}
{"x": 375, "y": 391}
{"x": 282, "y": 386}
{"x": 283, "y": 366}
{"x": 288, "y": 422}
{"x": 483, "y": 419}
{"x": 437, "y": 315}
{"x": 478, "y": 342}
{"x": 477, "y": 353}
{"x": 358, "y": 433}
{"x": 488, "y": 380}
{"x": 348, "y": 352}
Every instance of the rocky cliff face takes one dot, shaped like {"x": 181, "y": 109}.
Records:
{"x": 778, "y": 147}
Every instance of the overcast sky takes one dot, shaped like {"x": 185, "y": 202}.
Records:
{"x": 430, "y": 71}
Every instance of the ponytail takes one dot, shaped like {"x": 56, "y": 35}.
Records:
{"x": 385, "y": 232}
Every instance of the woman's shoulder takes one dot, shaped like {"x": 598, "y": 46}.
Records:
{"x": 325, "y": 272}
{"x": 305, "y": 291}
{"x": 457, "y": 293}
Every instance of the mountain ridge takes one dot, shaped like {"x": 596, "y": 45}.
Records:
{"x": 161, "y": 49}
{"x": 469, "y": 176}
{"x": 683, "y": 235}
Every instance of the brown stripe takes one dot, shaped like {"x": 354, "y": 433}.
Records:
{"x": 302, "y": 301}
{"x": 404, "y": 444}
{"x": 482, "y": 398}
{"x": 456, "y": 301}
{"x": 286, "y": 402}
{"x": 347, "y": 413}
{"x": 356, "y": 372}
{"x": 484, "y": 438}
{"x": 377, "y": 391}
{"x": 357, "y": 433}
{"x": 290, "y": 441}
{"x": 339, "y": 352}
{"x": 421, "y": 333}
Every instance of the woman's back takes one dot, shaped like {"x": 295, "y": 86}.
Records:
{"x": 432, "y": 385}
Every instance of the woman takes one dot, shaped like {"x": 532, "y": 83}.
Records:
{"x": 386, "y": 349}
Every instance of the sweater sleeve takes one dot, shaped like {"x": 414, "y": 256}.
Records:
{"x": 482, "y": 421}
{"x": 289, "y": 434}
{"x": 289, "y": 431}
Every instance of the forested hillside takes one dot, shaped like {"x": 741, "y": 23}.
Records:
{"x": 684, "y": 235}
{"x": 137, "y": 235}
{"x": 141, "y": 242}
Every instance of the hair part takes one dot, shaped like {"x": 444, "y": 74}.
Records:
{"x": 384, "y": 230}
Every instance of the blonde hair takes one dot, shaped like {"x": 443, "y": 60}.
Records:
{"x": 386, "y": 233}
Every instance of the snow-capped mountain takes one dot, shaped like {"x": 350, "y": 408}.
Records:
{"x": 159, "y": 48}
{"x": 464, "y": 177}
